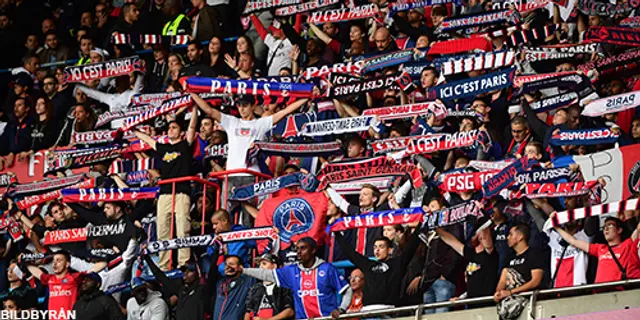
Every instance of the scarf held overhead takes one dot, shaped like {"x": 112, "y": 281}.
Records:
{"x": 563, "y": 217}
{"x": 387, "y": 60}
{"x": 254, "y": 88}
{"x": 474, "y": 86}
{"x": 584, "y": 137}
{"x": 614, "y": 35}
{"x": 338, "y": 126}
{"x": 265, "y": 5}
{"x": 480, "y": 19}
{"x": 100, "y": 70}
{"x": 407, "y": 111}
{"x": 343, "y": 14}
{"x": 108, "y": 194}
{"x": 179, "y": 243}
{"x": 44, "y": 186}
{"x": 267, "y": 187}
{"x": 77, "y": 158}
{"x": 164, "y": 108}
{"x": 613, "y": 104}
{"x": 249, "y": 234}
{"x": 452, "y": 215}
{"x": 377, "y": 219}
{"x": 367, "y": 85}
{"x": 304, "y": 7}
{"x": 506, "y": 177}
{"x": 483, "y": 61}
{"x": 83, "y": 234}
{"x": 140, "y": 39}
{"x": 38, "y": 199}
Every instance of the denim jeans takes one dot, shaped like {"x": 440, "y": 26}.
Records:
{"x": 440, "y": 290}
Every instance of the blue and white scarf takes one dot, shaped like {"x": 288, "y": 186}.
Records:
{"x": 584, "y": 137}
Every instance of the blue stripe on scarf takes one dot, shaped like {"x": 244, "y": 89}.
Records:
{"x": 370, "y": 219}
{"x": 256, "y": 88}
{"x": 506, "y": 177}
{"x": 584, "y": 137}
{"x": 387, "y": 60}
{"x": 473, "y": 87}
{"x": 308, "y": 182}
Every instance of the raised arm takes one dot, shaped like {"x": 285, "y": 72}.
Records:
{"x": 262, "y": 32}
{"x": 451, "y": 241}
{"x": 580, "y": 244}
{"x": 323, "y": 36}
{"x": 193, "y": 123}
{"x": 88, "y": 215}
{"x": 35, "y": 271}
{"x": 636, "y": 233}
{"x": 356, "y": 258}
{"x": 204, "y": 106}
{"x": 169, "y": 286}
{"x": 145, "y": 138}
{"x": 288, "y": 110}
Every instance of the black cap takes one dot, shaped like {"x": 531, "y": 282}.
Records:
{"x": 269, "y": 257}
{"x": 94, "y": 276}
{"x": 23, "y": 79}
{"x": 245, "y": 99}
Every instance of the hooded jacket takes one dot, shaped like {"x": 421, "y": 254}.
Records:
{"x": 97, "y": 306}
{"x": 154, "y": 308}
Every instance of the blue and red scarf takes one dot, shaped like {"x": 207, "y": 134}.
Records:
{"x": 387, "y": 60}
{"x": 77, "y": 158}
{"x": 452, "y": 215}
{"x": 101, "y": 70}
{"x": 506, "y": 177}
{"x": 584, "y": 137}
{"x": 613, "y": 35}
{"x": 108, "y": 194}
{"x": 308, "y": 182}
{"x": 377, "y": 219}
{"x": 254, "y": 88}
{"x": 474, "y": 86}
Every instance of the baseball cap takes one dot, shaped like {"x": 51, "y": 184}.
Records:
{"x": 267, "y": 256}
{"x": 94, "y": 276}
{"x": 245, "y": 99}
{"x": 191, "y": 266}
{"x": 23, "y": 79}
{"x": 419, "y": 10}
{"x": 136, "y": 283}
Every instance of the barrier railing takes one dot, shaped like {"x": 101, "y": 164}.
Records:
{"x": 225, "y": 175}
{"x": 418, "y": 310}
{"x": 205, "y": 184}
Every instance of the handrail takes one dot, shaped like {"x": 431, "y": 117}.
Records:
{"x": 236, "y": 171}
{"x": 478, "y": 300}
{"x": 189, "y": 179}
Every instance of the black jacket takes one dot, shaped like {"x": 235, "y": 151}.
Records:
{"x": 282, "y": 298}
{"x": 98, "y": 218}
{"x": 97, "y": 306}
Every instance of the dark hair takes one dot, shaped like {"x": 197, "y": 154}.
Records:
{"x": 240, "y": 260}
{"x": 430, "y": 68}
{"x": 619, "y": 223}
{"x": 195, "y": 43}
{"x": 50, "y": 32}
{"x": 27, "y": 103}
{"x": 376, "y": 191}
{"x": 178, "y": 123}
{"x": 386, "y": 241}
{"x": 250, "y": 48}
{"x": 127, "y": 7}
{"x": 524, "y": 230}
{"x": 86, "y": 37}
{"x": 537, "y": 145}
{"x": 175, "y": 85}
{"x": 66, "y": 254}
{"x": 48, "y": 105}
{"x": 439, "y": 10}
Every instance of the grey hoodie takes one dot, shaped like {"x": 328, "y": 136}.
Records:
{"x": 153, "y": 309}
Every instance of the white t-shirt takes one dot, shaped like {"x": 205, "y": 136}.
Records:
{"x": 281, "y": 49}
{"x": 573, "y": 269}
{"x": 241, "y": 135}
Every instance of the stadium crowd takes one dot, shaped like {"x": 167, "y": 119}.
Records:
{"x": 217, "y": 159}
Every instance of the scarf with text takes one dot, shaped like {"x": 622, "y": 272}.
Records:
{"x": 595, "y": 8}
{"x": 265, "y": 5}
{"x": 38, "y": 199}
{"x": 519, "y": 81}
{"x": 109, "y": 116}
{"x": 343, "y": 14}
{"x": 101, "y": 70}
{"x": 99, "y": 136}
{"x": 179, "y": 243}
{"x": 154, "y": 99}
{"x": 579, "y": 48}
{"x": 44, "y": 186}
{"x": 506, "y": 177}
{"x": 166, "y": 107}
{"x": 249, "y": 234}
{"x": 613, "y": 35}
{"x": 456, "y": 46}
{"x": 82, "y": 234}
{"x": 554, "y": 102}
{"x": 390, "y": 145}
{"x": 387, "y": 60}
{"x": 366, "y": 169}
{"x": 255, "y": 88}
{"x": 584, "y": 137}
{"x": 313, "y": 5}
{"x": 472, "y": 87}
{"x": 353, "y": 187}
{"x": 377, "y": 219}
{"x": 533, "y": 55}
{"x": 544, "y": 175}
{"x": 366, "y": 85}
{"x": 613, "y": 104}
{"x": 7, "y": 179}
{"x": 553, "y": 190}
{"x": 123, "y": 166}
{"x": 346, "y": 164}
{"x": 353, "y": 68}
{"x": 137, "y": 178}
{"x": 479, "y": 20}
{"x": 533, "y": 36}
{"x": 339, "y": 126}
{"x": 108, "y": 194}
{"x": 464, "y": 182}
{"x": 612, "y": 63}
{"x": 408, "y": 5}
{"x": 141, "y": 146}
{"x": 308, "y": 182}
{"x": 301, "y": 150}
{"x": 483, "y": 61}
{"x": 573, "y": 82}
{"x": 140, "y": 39}
{"x": 452, "y": 215}
{"x": 630, "y": 22}
{"x": 440, "y": 142}
{"x": 77, "y": 158}
{"x": 490, "y": 165}
{"x": 466, "y": 113}
{"x": 216, "y": 151}
{"x": 407, "y": 111}
{"x": 562, "y": 217}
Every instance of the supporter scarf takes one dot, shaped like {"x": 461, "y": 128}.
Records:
{"x": 474, "y": 86}
{"x": 44, "y": 186}
{"x": 82, "y": 234}
{"x": 579, "y": 48}
{"x": 583, "y": 137}
{"x": 392, "y": 169}
{"x": 347, "y": 164}
{"x": 613, "y": 35}
{"x": 573, "y": 82}
{"x": 313, "y": 5}
{"x": 217, "y": 151}
{"x": 554, "y": 102}
{"x": 140, "y": 39}
{"x": 354, "y": 68}
{"x": 97, "y": 137}
{"x": 485, "y": 61}
{"x": 267, "y": 187}
{"x": 137, "y": 177}
{"x": 254, "y": 88}
{"x": 433, "y": 143}
{"x": 341, "y": 78}
{"x": 490, "y": 165}
{"x": 249, "y": 234}
{"x": 343, "y": 14}
{"x": 460, "y": 45}
{"x": 452, "y": 215}
{"x": 613, "y": 104}
{"x": 531, "y": 5}
{"x": 108, "y": 194}
{"x": 173, "y": 274}
{"x": 467, "y": 113}
{"x": 407, "y": 111}
{"x": 506, "y": 177}
{"x": 141, "y": 146}
{"x": 611, "y": 62}
{"x": 563, "y": 217}
{"x": 543, "y": 175}
{"x": 479, "y": 19}
{"x": 154, "y": 99}
{"x": 166, "y": 107}
{"x": 537, "y": 55}
{"x": 31, "y": 257}
{"x": 408, "y": 5}
{"x": 38, "y": 199}
{"x": 387, "y": 60}
{"x": 519, "y": 81}
{"x": 338, "y": 126}
{"x": 377, "y": 219}
{"x": 538, "y": 34}
{"x": 414, "y": 69}
{"x": 266, "y": 5}
{"x": 630, "y": 22}
{"x": 6, "y": 179}
{"x": 301, "y": 150}
{"x": 109, "y": 116}
{"x": 366, "y": 85}
{"x": 464, "y": 182}
{"x": 123, "y": 166}
{"x": 389, "y": 145}
{"x": 100, "y": 70}
{"x": 354, "y": 187}
{"x": 553, "y": 190}
{"x": 595, "y": 8}
{"x": 179, "y": 243}
{"x": 77, "y": 158}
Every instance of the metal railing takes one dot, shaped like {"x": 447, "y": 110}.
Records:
{"x": 225, "y": 176}
{"x": 418, "y": 310}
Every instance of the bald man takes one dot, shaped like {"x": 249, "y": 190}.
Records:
{"x": 384, "y": 42}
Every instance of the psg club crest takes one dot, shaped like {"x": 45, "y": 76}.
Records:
{"x": 292, "y": 217}
{"x": 633, "y": 180}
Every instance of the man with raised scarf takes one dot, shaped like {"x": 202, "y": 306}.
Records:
{"x": 521, "y": 135}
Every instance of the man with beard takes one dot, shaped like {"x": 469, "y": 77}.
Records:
{"x": 196, "y": 67}
{"x": 94, "y": 304}
{"x": 114, "y": 213}
{"x": 146, "y": 304}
